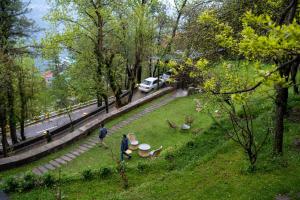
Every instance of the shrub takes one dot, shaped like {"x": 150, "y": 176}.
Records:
{"x": 87, "y": 174}
{"x": 169, "y": 154}
{"x": 11, "y": 184}
{"x": 142, "y": 166}
{"x": 48, "y": 180}
{"x": 191, "y": 144}
{"x": 105, "y": 172}
{"x": 29, "y": 181}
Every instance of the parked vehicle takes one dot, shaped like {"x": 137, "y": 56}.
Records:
{"x": 165, "y": 76}
{"x": 150, "y": 83}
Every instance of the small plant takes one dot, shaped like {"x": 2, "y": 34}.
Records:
{"x": 189, "y": 120}
{"x": 123, "y": 175}
{"x": 48, "y": 180}
{"x": 11, "y": 184}
{"x": 196, "y": 131}
{"x": 105, "y": 172}
{"x": 169, "y": 154}
{"x": 142, "y": 166}
{"x": 87, "y": 174}
{"x": 29, "y": 181}
{"x": 191, "y": 144}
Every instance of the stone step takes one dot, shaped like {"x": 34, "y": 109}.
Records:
{"x": 93, "y": 140}
{"x": 91, "y": 143}
{"x": 43, "y": 169}
{"x": 80, "y": 150}
{"x": 66, "y": 158}
{"x": 55, "y": 163}
{"x": 61, "y": 161}
{"x": 49, "y": 166}
{"x": 76, "y": 153}
{"x": 36, "y": 171}
{"x": 83, "y": 148}
{"x": 70, "y": 155}
{"x": 86, "y": 145}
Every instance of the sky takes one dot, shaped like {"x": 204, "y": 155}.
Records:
{"x": 39, "y": 8}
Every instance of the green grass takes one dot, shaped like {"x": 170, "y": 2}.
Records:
{"x": 205, "y": 166}
{"x": 29, "y": 167}
{"x": 151, "y": 129}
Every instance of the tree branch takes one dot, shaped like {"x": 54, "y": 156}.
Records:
{"x": 260, "y": 82}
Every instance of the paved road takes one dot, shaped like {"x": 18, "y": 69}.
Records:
{"x": 53, "y": 123}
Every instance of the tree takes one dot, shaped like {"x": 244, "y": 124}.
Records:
{"x": 265, "y": 38}
{"x": 85, "y": 29}
{"x": 13, "y": 26}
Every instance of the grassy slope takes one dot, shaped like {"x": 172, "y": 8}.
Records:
{"x": 210, "y": 167}
{"x": 73, "y": 146}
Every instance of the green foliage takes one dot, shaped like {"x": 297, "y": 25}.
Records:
{"x": 105, "y": 172}
{"x": 48, "y": 179}
{"x": 87, "y": 174}
{"x": 11, "y": 184}
{"x": 214, "y": 160}
{"x": 29, "y": 182}
{"x": 142, "y": 167}
{"x": 169, "y": 154}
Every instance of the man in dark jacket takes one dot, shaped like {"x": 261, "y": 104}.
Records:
{"x": 124, "y": 148}
{"x": 102, "y": 134}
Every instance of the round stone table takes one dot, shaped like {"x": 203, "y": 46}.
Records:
{"x": 144, "y": 150}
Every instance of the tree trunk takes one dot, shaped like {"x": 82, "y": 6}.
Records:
{"x": 11, "y": 113}
{"x": 118, "y": 99}
{"x": 3, "y": 129}
{"x": 99, "y": 100}
{"x": 280, "y": 103}
{"x": 179, "y": 14}
{"x": 131, "y": 83}
{"x": 106, "y": 104}
{"x": 294, "y": 71}
{"x": 150, "y": 67}
{"x": 137, "y": 66}
{"x": 131, "y": 91}
{"x": 22, "y": 106}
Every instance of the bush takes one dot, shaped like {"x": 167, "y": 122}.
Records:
{"x": 87, "y": 174}
{"x": 48, "y": 180}
{"x": 191, "y": 144}
{"x": 11, "y": 184}
{"x": 105, "y": 172}
{"x": 142, "y": 166}
{"x": 29, "y": 181}
{"x": 169, "y": 154}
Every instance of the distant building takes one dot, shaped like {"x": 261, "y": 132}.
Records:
{"x": 48, "y": 77}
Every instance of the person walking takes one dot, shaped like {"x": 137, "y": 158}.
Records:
{"x": 124, "y": 148}
{"x": 102, "y": 134}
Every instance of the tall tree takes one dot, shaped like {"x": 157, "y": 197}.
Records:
{"x": 13, "y": 26}
{"x": 265, "y": 37}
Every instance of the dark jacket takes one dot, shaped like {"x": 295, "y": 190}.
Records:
{"x": 124, "y": 144}
{"x": 103, "y": 132}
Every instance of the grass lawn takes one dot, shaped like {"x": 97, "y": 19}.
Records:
{"x": 70, "y": 147}
{"x": 203, "y": 166}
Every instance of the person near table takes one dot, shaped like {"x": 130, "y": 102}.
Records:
{"x": 102, "y": 134}
{"x": 124, "y": 148}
